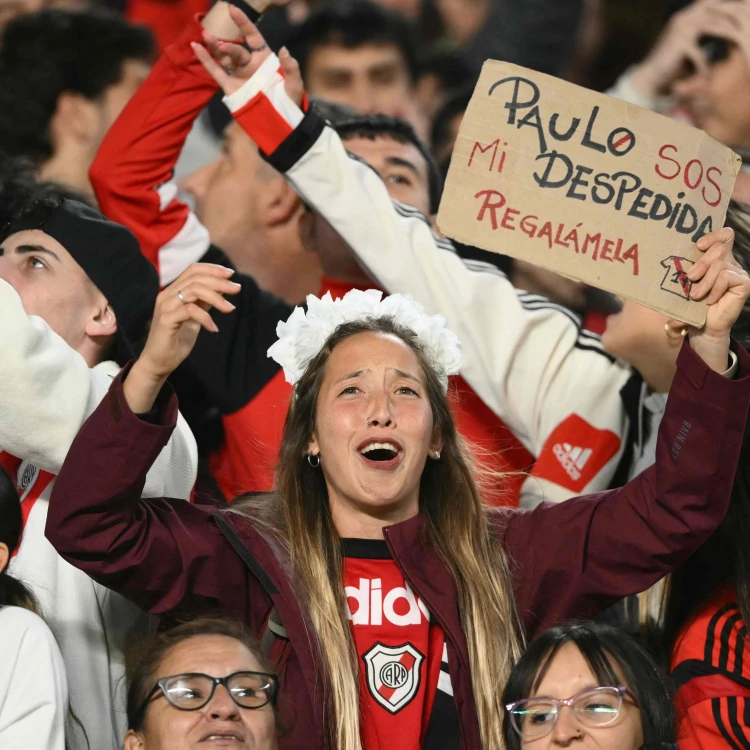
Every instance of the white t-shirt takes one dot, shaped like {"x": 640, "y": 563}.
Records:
{"x": 33, "y": 686}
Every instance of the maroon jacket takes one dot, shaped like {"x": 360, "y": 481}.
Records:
{"x": 568, "y": 560}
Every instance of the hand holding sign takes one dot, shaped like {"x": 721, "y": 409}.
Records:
{"x": 586, "y": 185}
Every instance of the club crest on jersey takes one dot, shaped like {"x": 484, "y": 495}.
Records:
{"x": 393, "y": 674}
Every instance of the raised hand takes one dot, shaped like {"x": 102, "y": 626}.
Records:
{"x": 677, "y": 44}
{"x": 181, "y": 312}
{"x": 231, "y": 64}
{"x": 722, "y": 282}
{"x": 731, "y": 21}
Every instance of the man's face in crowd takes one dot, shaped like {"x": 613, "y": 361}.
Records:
{"x": 50, "y": 283}
{"x": 403, "y": 170}
{"x": 226, "y": 190}
{"x": 401, "y": 167}
{"x": 372, "y": 78}
{"x": 718, "y": 101}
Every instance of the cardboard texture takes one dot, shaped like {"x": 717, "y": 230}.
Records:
{"x": 586, "y": 185}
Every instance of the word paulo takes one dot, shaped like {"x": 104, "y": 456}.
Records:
{"x": 373, "y": 604}
{"x": 595, "y": 246}
{"x": 620, "y": 189}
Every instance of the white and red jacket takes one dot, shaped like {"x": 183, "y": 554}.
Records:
{"x": 527, "y": 358}
{"x": 47, "y": 391}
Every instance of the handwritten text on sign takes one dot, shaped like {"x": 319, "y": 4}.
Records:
{"x": 587, "y": 185}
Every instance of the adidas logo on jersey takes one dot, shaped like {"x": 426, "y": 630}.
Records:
{"x": 572, "y": 457}
{"x": 399, "y": 606}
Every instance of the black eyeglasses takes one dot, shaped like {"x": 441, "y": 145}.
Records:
{"x": 533, "y": 718}
{"x": 189, "y": 692}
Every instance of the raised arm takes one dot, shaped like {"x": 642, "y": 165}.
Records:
{"x": 527, "y": 358}
{"x": 161, "y": 553}
{"x": 133, "y": 168}
{"x": 131, "y": 177}
{"x": 575, "y": 558}
{"x": 588, "y": 552}
{"x": 132, "y": 171}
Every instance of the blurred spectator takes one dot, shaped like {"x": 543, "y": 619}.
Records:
{"x": 82, "y": 68}
{"x": 358, "y": 53}
{"x": 441, "y": 74}
{"x": 446, "y": 125}
{"x": 411, "y": 9}
{"x": 176, "y": 699}
{"x": 538, "y": 34}
{"x": 75, "y": 294}
{"x": 591, "y": 38}
{"x": 10, "y": 9}
{"x": 587, "y": 685}
{"x": 699, "y": 70}
{"x": 33, "y": 685}
{"x": 253, "y": 214}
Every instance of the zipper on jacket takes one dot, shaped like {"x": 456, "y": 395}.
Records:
{"x": 433, "y": 611}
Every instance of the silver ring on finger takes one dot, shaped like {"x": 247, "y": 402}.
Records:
{"x": 258, "y": 49}
{"x": 181, "y": 298}
{"x": 229, "y": 70}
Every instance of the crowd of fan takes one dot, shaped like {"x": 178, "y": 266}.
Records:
{"x": 211, "y": 576}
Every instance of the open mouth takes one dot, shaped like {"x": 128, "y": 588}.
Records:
{"x": 224, "y": 737}
{"x": 381, "y": 454}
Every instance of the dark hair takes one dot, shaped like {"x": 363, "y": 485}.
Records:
{"x": 351, "y": 24}
{"x": 607, "y": 650}
{"x": 19, "y": 189}
{"x": 13, "y": 593}
{"x": 39, "y": 209}
{"x": 143, "y": 659}
{"x": 385, "y": 126}
{"x": 45, "y": 54}
{"x": 449, "y": 67}
{"x": 456, "y": 105}
{"x": 332, "y": 112}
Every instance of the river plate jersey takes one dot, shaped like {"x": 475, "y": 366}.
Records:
{"x": 405, "y": 688}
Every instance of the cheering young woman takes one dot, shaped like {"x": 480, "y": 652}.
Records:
{"x": 393, "y": 601}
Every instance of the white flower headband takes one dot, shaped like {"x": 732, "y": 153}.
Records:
{"x": 303, "y": 336}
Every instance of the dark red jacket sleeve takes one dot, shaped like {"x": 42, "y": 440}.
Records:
{"x": 165, "y": 555}
{"x": 575, "y": 558}
{"x": 134, "y": 164}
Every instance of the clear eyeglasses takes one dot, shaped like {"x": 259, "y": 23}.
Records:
{"x": 533, "y": 718}
{"x": 189, "y": 692}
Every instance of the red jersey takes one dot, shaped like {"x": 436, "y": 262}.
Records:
{"x": 402, "y": 656}
{"x": 713, "y": 678}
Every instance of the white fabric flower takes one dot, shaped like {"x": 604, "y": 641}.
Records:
{"x": 304, "y": 334}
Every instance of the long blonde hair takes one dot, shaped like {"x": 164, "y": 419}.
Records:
{"x": 458, "y": 528}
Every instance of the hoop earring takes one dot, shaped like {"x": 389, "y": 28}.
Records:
{"x": 310, "y": 458}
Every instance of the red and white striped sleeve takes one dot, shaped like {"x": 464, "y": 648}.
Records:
{"x": 264, "y": 109}
{"x": 133, "y": 169}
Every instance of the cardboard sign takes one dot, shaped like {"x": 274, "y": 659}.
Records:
{"x": 586, "y": 185}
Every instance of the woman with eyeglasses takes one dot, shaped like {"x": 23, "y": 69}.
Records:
{"x": 201, "y": 683}
{"x": 589, "y": 686}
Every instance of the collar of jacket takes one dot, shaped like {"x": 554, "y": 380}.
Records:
{"x": 425, "y": 572}
{"x": 433, "y": 583}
